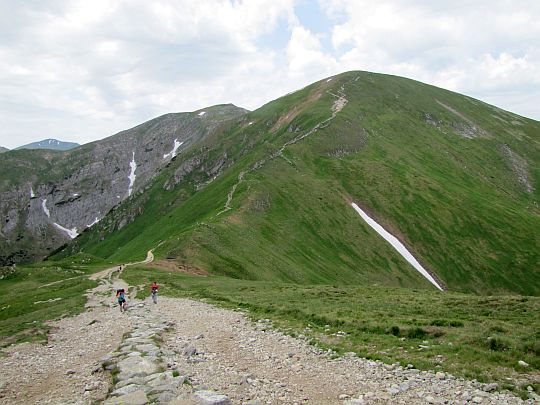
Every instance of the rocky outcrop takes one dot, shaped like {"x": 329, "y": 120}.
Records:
{"x": 48, "y": 198}
{"x": 519, "y": 168}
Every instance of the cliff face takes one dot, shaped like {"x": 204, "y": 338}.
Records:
{"x": 50, "y": 197}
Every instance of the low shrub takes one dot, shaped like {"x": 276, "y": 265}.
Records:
{"x": 416, "y": 333}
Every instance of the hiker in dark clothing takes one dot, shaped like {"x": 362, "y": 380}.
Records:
{"x": 121, "y": 296}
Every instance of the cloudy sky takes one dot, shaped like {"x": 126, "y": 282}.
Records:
{"x": 81, "y": 70}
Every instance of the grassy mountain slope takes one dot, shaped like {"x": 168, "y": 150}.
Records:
{"x": 453, "y": 178}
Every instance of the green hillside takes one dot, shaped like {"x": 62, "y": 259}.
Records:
{"x": 453, "y": 178}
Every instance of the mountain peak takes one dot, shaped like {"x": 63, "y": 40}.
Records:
{"x": 50, "y": 143}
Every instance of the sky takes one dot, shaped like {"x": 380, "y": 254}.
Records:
{"x": 80, "y": 70}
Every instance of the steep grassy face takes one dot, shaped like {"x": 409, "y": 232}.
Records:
{"x": 453, "y": 178}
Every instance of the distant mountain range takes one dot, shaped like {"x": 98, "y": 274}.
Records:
{"x": 2, "y": 150}
{"x": 53, "y": 144}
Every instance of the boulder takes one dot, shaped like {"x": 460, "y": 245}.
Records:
{"x": 212, "y": 398}
{"x": 134, "y": 398}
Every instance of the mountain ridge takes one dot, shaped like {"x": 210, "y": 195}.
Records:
{"x": 268, "y": 197}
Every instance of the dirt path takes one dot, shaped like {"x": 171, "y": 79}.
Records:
{"x": 107, "y": 272}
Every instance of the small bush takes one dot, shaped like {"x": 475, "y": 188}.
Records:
{"x": 175, "y": 373}
{"x": 416, "y": 333}
{"x": 394, "y": 330}
{"x": 497, "y": 328}
{"x": 497, "y": 344}
{"x": 532, "y": 347}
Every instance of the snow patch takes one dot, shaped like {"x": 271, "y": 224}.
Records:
{"x": 32, "y": 195}
{"x": 396, "y": 244}
{"x": 328, "y": 80}
{"x": 201, "y": 113}
{"x": 172, "y": 153}
{"x": 45, "y": 209}
{"x": 93, "y": 223}
{"x": 72, "y": 233}
{"x": 250, "y": 123}
{"x": 132, "y": 176}
{"x": 75, "y": 194}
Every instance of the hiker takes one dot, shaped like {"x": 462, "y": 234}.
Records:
{"x": 154, "y": 289}
{"x": 121, "y": 296}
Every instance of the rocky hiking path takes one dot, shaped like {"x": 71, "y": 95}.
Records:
{"x": 182, "y": 351}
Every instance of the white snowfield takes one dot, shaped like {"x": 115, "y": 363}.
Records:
{"x": 396, "y": 244}
{"x": 132, "y": 175}
{"x": 172, "y": 153}
{"x": 72, "y": 233}
{"x": 45, "y": 209}
{"x": 201, "y": 113}
{"x": 32, "y": 195}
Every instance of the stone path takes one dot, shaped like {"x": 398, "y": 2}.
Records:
{"x": 138, "y": 364}
{"x": 144, "y": 371}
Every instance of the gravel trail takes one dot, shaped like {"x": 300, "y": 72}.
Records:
{"x": 255, "y": 364}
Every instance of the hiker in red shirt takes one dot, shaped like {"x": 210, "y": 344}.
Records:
{"x": 154, "y": 289}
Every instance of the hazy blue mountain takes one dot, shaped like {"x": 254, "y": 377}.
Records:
{"x": 54, "y": 144}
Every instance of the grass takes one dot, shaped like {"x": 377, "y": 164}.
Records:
{"x": 33, "y": 295}
{"x": 466, "y": 335}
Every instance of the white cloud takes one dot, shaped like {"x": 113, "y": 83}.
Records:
{"x": 104, "y": 66}
{"x": 487, "y": 49}
{"x": 304, "y": 52}
{"x": 80, "y": 70}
